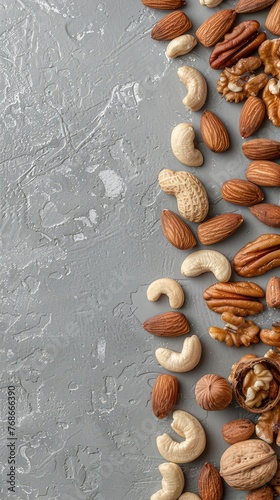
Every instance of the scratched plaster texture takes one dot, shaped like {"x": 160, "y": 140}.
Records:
{"x": 87, "y": 105}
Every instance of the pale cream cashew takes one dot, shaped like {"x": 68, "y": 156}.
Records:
{"x": 173, "y": 482}
{"x": 196, "y": 84}
{"x": 202, "y": 261}
{"x": 187, "y": 426}
{"x": 210, "y": 3}
{"x": 182, "y": 145}
{"x": 169, "y": 287}
{"x": 180, "y": 46}
{"x": 189, "y": 496}
{"x": 183, "y": 361}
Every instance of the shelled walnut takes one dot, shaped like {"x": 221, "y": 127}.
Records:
{"x": 271, "y": 98}
{"x": 269, "y": 53}
{"x": 268, "y": 426}
{"x": 271, "y": 337}
{"x": 255, "y": 386}
{"x": 239, "y": 81}
{"x": 236, "y": 332}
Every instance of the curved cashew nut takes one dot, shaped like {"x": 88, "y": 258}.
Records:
{"x": 172, "y": 482}
{"x": 169, "y": 287}
{"x": 187, "y": 426}
{"x": 210, "y": 3}
{"x": 202, "y": 261}
{"x": 180, "y": 46}
{"x": 189, "y": 496}
{"x": 183, "y": 361}
{"x": 182, "y": 145}
{"x": 196, "y": 84}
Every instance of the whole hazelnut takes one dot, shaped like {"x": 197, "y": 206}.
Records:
{"x": 213, "y": 392}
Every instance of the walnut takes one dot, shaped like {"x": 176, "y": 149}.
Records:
{"x": 256, "y": 385}
{"x": 272, "y": 336}
{"x": 268, "y": 425}
{"x": 236, "y": 332}
{"x": 269, "y": 52}
{"x": 271, "y": 98}
{"x": 239, "y": 81}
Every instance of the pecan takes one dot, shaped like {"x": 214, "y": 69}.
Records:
{"x": 271, "y": 337}
{"x": 240, "y": 42}
{"x": 269, "y": 53}
{"x": 236, "y": 332}
{"x": 239, "y": 298}
{"x": 271, "y": 98}
{"x": 239, "y": 81}
{"x": 258, "y": 256}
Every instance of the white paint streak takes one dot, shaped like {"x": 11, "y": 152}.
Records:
{"x": 101, "y": 349}
{"x": 93, "y": 216}
{"x": 113, "y": 183}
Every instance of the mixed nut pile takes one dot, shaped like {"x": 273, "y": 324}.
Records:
{"x": 249, "y": 463}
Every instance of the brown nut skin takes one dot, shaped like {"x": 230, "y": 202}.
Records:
{"x": 215, "y": 27}
{"x": 258, "y": 256}
{"x": 164, "y": 4}
{"x": 168, "y": 324}
{"x": 241, "y": 192}
{"x": 164, "y": 395}
{"x": 170, "y": 26}
{"x": 246, "y": 6}
{"x": 252, "y": 116}
{"x": 239, "y": 298}
{"x": 264, "y": 173}
{"x": 273, "y": 292}
{"x": 218, "y": 228}
{"x": 261, "y": 149}
{"x": 237, "y": 430}
{"x": 248, "y": 465}
{"x": 237, "y": 383}
{"x": 176, "y": 231}
{"x": 214, "y": 132}
{"x": 271, "y": 337}
{"x": 213, "y": 392}
{"x": 267, "y": 213}
{"x": 264, "y": 493}
{"x": 210, "y": 486}
{"x": 272, "y": 22}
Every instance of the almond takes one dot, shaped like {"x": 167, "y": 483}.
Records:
{"x": 171, "y": 26}
{"x": 241, "y": 192}
{"x": 267, "y": 213}
{"x": 164, "y": 395}
{"x": 238, "y": 430}
{"x": 210, "y": 486}
{"x": 176, "y": 231}
{"x": 164, "y": 4}
{"x": 272, "y": 295}
{"x": 272, "y": 22}
{"x": 252, "y": 116}
{"x": 264, "y": 493}
{"x": 245, "y": 6}
{"x": 218, "y": 228}
{"x": 264, "y": 173}
{"x": 214, "y": 132}
{"x": 261, "y": 149}
{"x": 168, "y": 324}
{"x": 215, "y": 27}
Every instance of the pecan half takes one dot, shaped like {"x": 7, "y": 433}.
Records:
{"x": 271, "y": 98}
{"x": 242, "y": 40}
{"x": 258, "y": 256}
{"x": 239, "y": 81}
{"x": 239, "y": 298}
{"x": 269, "y": 53}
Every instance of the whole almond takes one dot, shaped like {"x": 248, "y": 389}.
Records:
{"x": 210, "y": 486}
{"x": 272, "y": 295}
{"x": 241, "y": 192}
{"x": 176, "y": 231}
{"x": 245, "y": 6}
{"x": 215, "y": 27}
{"x": 168, "y": 324}
{"x": 218, "y": 228}
{"x": 264, "y": 493}
{"x": 238, "y": 430}
{"x": 261, "y": 149}
{"x": 214, "y": 132}
{"x": 171, "y": 26}
{"x": 164, "y": 4}
{"x": 264, "y": 173}
{"x": 164, "y": 395}
{"x": 272, "y": 22}
{"x": 267, "y": 213}
{"x": 252, "y": 116}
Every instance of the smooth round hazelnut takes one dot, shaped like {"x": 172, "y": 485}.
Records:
{"x": 213, "y": 392}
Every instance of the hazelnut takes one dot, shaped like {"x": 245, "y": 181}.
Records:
{"x": 213, "y": 392}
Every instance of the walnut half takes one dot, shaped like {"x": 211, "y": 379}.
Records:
{"x": 239, "y": 81}
{"x": 236, "y": 332}
{"x": 271, "y": 98}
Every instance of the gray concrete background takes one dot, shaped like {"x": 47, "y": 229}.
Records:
{"x": 88, "y": 101}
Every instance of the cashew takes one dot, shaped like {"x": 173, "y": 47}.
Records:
{"x": 182, "y": 145}
{"x": 172, "y": 482}
{"x": 210, "y": 3}
{"x": 196, "y": 85}
{"x": 189, "y": 496}
{"x": 202, "y": 261}
{"x": 183, "y": 361}
{"x": 187, "y": 426}
{"x": 180, "y": 45}
{"x": 169, "y": 287}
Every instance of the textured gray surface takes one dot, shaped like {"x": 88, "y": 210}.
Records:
{"x": 88, "y": 102}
